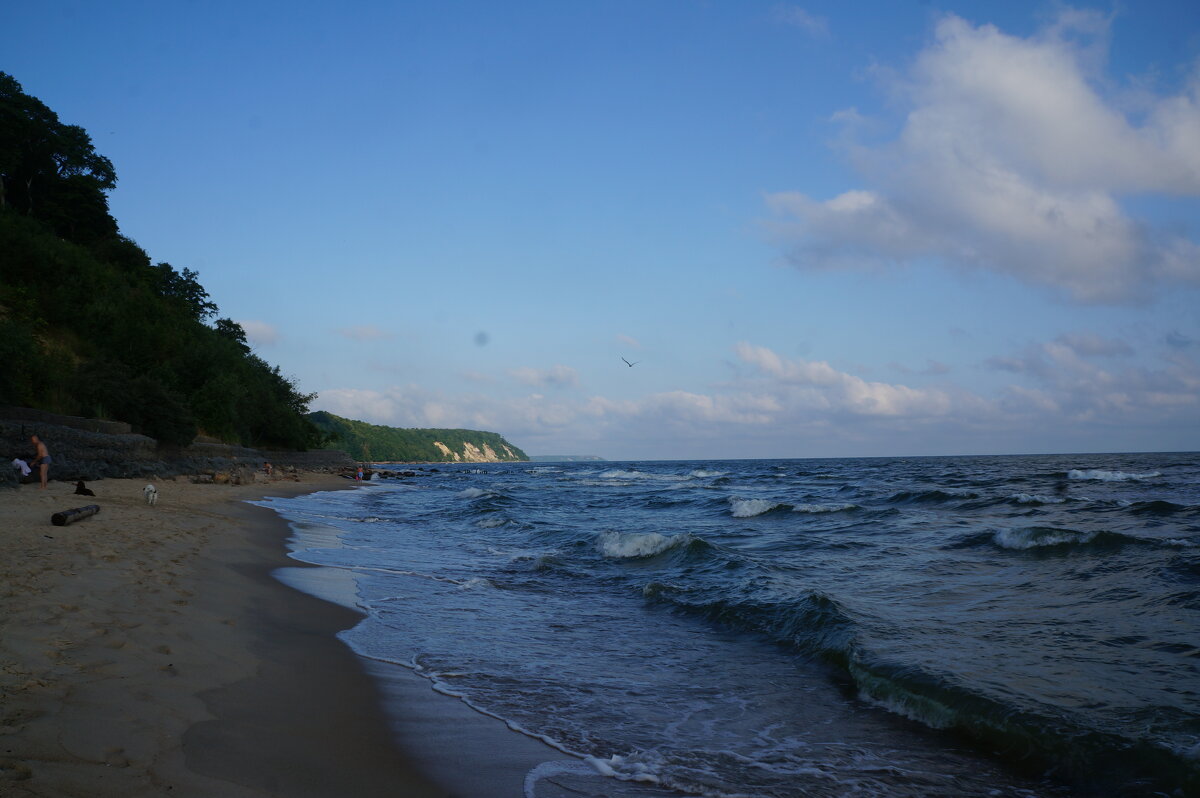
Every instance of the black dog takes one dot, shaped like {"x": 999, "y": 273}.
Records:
{"x": 82, "y": 489}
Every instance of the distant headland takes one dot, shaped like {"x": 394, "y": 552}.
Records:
{"x": 379, "y": 444}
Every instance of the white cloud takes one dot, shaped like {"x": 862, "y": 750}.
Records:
{"x": 828, "y": 389}
{"x": 685, "y": 407}
{"x": 518, "y": 419}
{"x": 1011, "y": 159}
{"x": 477, "y": 376}
{"x": 1090, "y": 344}
{"x": 364, "y": 332}
{"x": 259, "y": 333}
{"x": 933, "y": 368}
{"x": 557, "y": 376}
{"x": 799, "y": 18}
{"x": 629, "y": 340}
{"x": 1075, "y": 375}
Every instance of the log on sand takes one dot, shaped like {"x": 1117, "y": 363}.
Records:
{"x": 69, "y": 516}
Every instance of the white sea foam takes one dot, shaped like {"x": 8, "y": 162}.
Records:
{"x": 617, "y": 473}
{"x": 472, "y": 493}
{"x": 1100, "y": 475}
{"x": 1035, "y": 498}
{"x": 441, "y": 687}
{"x": 490, "y": 523}
{"x": 624, "y": 545}
{"x": 748, "y": 508}
{"x": 1026, "y": 538}
{"x": 560, "y": 768}
{"x": 625, "y": 769}
{"x": 824, "y": 508}
{"x": 701, "y": 473}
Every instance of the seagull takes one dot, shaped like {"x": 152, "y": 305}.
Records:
{"x": 631, "y": 365}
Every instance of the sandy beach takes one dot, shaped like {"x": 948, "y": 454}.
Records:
{"x": 146, "y": 650}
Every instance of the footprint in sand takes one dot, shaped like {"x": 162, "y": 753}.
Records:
{"x": 12, "y": 770}
{"x": 115, "y": 757}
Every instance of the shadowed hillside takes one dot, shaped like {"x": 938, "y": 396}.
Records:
{"x": 90, "y": 326}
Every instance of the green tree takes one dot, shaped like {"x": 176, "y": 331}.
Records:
{"x": 88, "y": 325}
{"x": 230, "y": 329}
{"x": 183, "y": 288}
{"x": 51, "y": 171}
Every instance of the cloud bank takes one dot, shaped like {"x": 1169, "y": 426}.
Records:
{"x": 1011, "y": 158}
{"x": 364, "y": 332}
{"x": 797, "y": 17}
{"x": 557, "y": 376}
{"x": 1054, "y": 397}
{"x": 259, "y": 333}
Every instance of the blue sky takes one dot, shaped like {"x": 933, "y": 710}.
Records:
{"x": 820, "y": 229}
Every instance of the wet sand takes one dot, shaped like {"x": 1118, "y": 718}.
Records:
{"x": 147, "y": 650}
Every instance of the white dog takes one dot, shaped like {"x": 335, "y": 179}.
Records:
{"x": 151, "y": 494}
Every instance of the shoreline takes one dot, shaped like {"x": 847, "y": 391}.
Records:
{"x": 150, "y": 651}
{"x": 465, "y": 752}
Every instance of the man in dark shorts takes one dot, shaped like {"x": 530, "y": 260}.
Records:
{"x": 42, "y": 461}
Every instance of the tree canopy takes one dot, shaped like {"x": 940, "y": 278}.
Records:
{"x": 90, "y": 326}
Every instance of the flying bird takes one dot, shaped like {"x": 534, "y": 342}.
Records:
{"x": 631, "y": 365}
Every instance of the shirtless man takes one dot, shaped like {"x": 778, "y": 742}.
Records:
{"x": 42, "y": 460}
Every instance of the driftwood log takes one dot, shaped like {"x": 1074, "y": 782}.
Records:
{"x": 69, "y": 516}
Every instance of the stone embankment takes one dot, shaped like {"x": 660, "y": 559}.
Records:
{"x": 90, "y": 449}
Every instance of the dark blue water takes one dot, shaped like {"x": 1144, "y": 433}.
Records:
{"x": 924, "y": 626}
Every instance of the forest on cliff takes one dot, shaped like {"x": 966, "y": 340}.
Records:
{"x": 379, "y": 444}
{"x": 90, "y": 326}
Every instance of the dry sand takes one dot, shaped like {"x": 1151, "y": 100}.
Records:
{"x": 147, "y": 651}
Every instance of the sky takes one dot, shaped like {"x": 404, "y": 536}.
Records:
{"x": 818, "y": 229}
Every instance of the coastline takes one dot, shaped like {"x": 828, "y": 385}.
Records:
{"x": 148, "y": 650}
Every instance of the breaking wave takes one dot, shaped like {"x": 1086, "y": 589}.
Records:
{"x": 1040, "y": 537}
{"x": 1099, "y": 475}
{"x": 749, "y": 508}
{"x": 629, "y": 545}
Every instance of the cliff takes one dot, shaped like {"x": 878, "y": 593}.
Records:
{"x": 380, "y": 444}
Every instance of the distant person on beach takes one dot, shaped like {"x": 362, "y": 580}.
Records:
{"x": 42, "y": 459}
{"x": 358, "y": 475}
{"x": 267, "y": 468}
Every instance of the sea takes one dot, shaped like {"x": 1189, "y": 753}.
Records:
{"x": 925, "y": 626}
